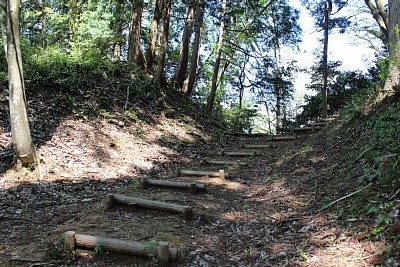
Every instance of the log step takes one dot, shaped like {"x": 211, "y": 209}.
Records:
{"x": 221, "y": 173}
{"x": 238, "y": 154}
{"x": 145, "y": 183}
{"x": 251, "y": 134}
{"x": 316, "y": 124}
{"x": 326, "y": 119}
{"x": 163, "y": 251}
{"x": 224, "y": 162}
{"x": 282, "y": 137}
{"x": 185, "y": 211}
{"x": 306, "y": 129}
{"x": 258, "y": 146}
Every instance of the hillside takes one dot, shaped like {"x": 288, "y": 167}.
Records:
{"x": 268, "y": 213}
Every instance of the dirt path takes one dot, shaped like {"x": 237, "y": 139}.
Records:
{"x": 263, "y": 216}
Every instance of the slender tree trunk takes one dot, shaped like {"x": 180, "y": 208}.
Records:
{"x": 188, "y": 86}
{"x": 393, "y": 81}
{"x": 324, "y": 92}
{"x": 211, "y": 97}
{"x": 158, "y": 77}
{"x": 18, "y": 115}
{"x": 118, "y": 28}
{"x": 181, "y": 69}
{"x": 135, "y": 54}
{"x": 43, "y": 31}
{"x": 278, "y": 90}
{"x": 242, "y": 77}
{"x": 152, "y": 39}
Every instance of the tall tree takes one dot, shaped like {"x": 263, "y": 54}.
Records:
{"x": 117, "y": 25}
{"x": 323, "y": 13}
{"x": 135, "y": 54}
{"x": 211, "y": 97}
{"x": 181, "y": 69}
{"x": 164, "y": 33}
{"x": 24, "y": 147}
{"x": 198, "y": 29}
{"x": 152, "y": 37}
{"x": 393, "y": 80}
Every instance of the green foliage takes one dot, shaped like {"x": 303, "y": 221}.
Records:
{"x": 239, "y": 120}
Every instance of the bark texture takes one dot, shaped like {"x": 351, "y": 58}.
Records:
{"x": 198, "y": 28}
{"x": 18, "y": 115}
{"x": 158, "y": 77}
{"x": 211, "y": 97}
{"x": 152, "y": 39}
{"x": 135, "y": 54}
{"x": 181, "y": 69}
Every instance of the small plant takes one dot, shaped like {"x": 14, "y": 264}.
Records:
{"x": 303, "y": 255}
{"x": 98, "y": 249}
{"x": 246, "y": 206}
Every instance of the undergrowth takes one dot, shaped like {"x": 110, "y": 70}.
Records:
{"x": 379, "y": 121}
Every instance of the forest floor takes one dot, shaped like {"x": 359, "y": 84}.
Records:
{"x": 267, "y": 213}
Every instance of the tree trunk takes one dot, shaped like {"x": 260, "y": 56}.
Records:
{"x": 75, "y": 10}
{"x": 242, "y": 78}
{"x": 181, "y": 69}
{"x": 135, "y": 54}
{"x": 3, "y": 12}
{"x": 43, "y": 16}
{"x": 18, "y": 115}
{"x": 188, "y": 86}
{"x": 152, "y": 39}
{"x": 393, "y": 80}
{"x": 380, "y": 16}
{"x": 324, "y": 92}
{"x": 118, "y": 28}
{"x": 158, "y": 77}
{"x": 211, "y": 97}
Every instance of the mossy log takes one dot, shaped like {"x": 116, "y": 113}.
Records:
{"x": 221, "y": 173}
{"x": 186, "y": 211}
{"x": 165, "y": 254}
{"x": 145, "y": 183}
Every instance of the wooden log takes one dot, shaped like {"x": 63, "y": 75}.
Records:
{"x": 163, "y": 254}
{"x": 69, "y": 242}
{"x": 180, "y": 172}
{"x": 282, "y": 137}
{"x": 320, "y": 124}
{"x": 238, "y": 154}
{"x": 186, "y": 211}
{"x": 251, "y": 134}
{"x": 258, "y": 146}
{"x": 326, "y": 119}
{"x": 123, "y": 247}
{"x": 145, "y": 183}
{"x": 224, "y": 162}
{"x": 306, "y": 129}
